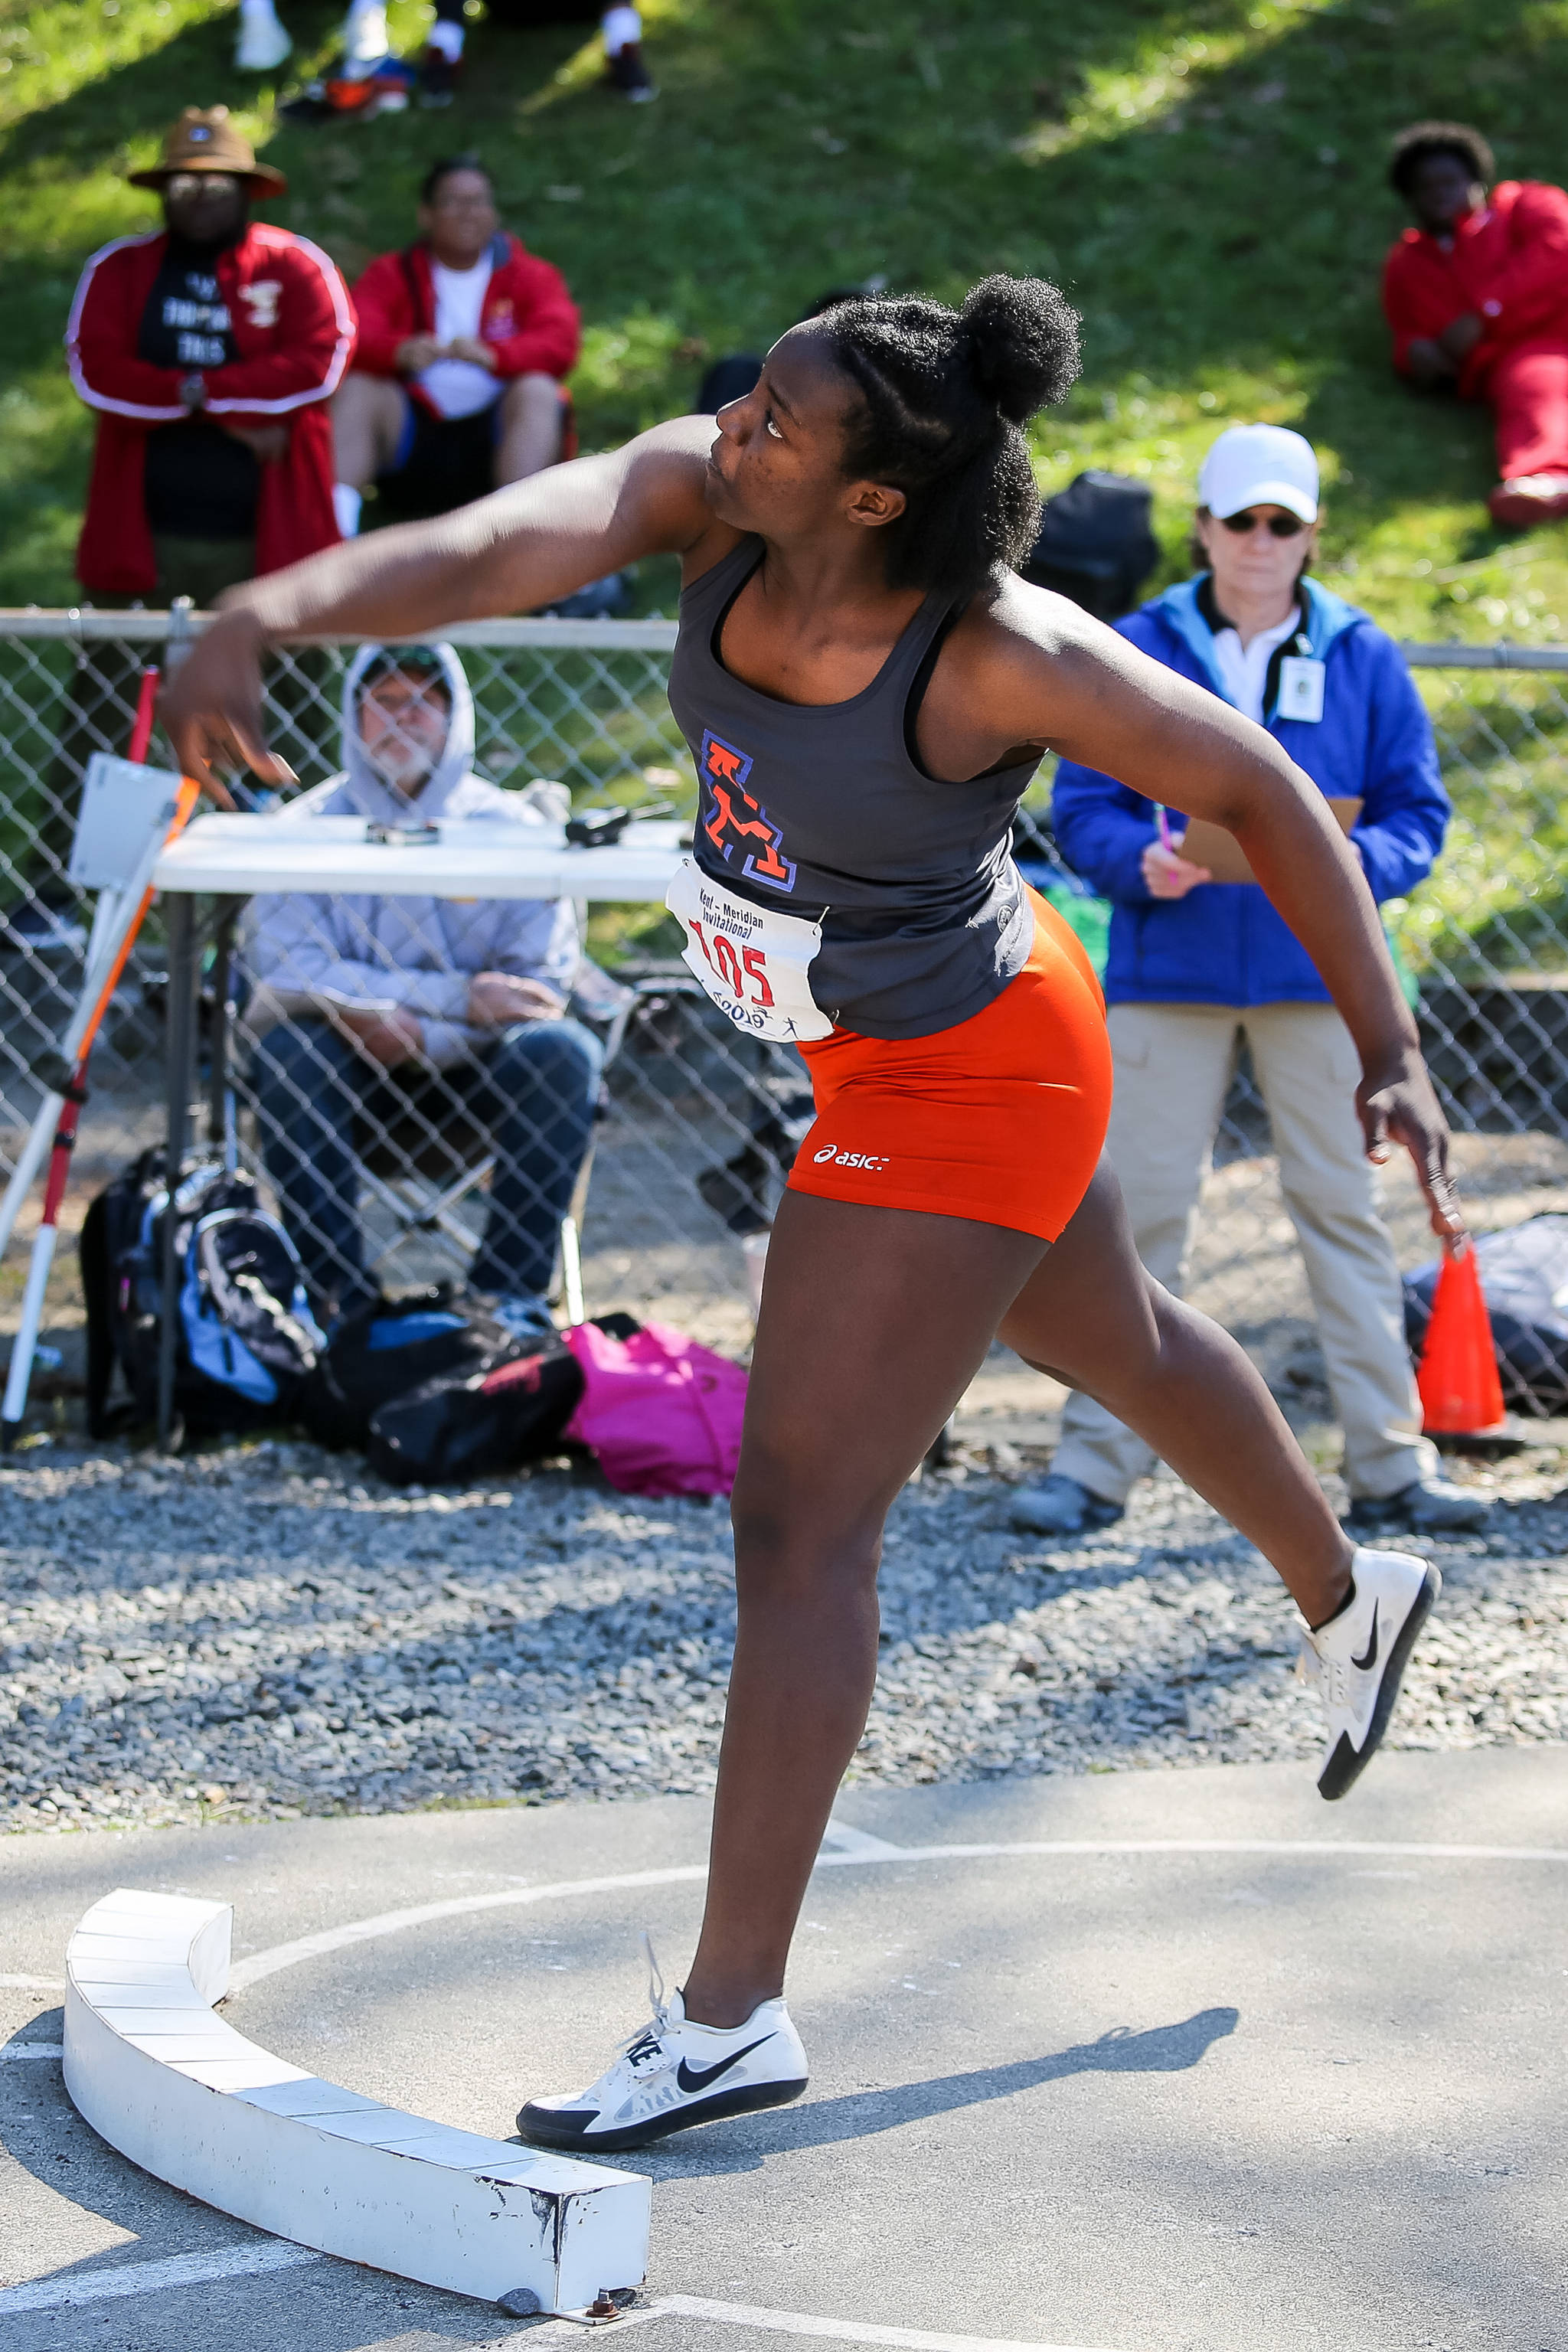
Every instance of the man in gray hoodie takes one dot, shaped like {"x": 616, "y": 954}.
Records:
{"x": 368, "y": 1011}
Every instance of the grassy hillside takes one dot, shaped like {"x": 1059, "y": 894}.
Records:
{"x": 1206, "y": 179}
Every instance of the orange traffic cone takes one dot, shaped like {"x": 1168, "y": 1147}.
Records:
{"x": 1461, "y": 1395}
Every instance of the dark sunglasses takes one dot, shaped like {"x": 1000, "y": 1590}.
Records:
{"x": 1279, "y": 526}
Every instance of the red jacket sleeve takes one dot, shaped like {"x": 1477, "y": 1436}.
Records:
{"x": 1532, "y": 286}
{"x": 100, "y": 341}
{"x": 1418, "y": 300}
{"x": 385, "y": 301}
{"x": 548, "y": 334}
{"x": 315, "y": 342}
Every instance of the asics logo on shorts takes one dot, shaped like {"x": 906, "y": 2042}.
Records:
{"x": 830, "y": 1151}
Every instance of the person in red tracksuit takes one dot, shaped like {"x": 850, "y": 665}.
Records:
{"x": 210, "y": 350}
{"x": 1477, "y": 296}
{"x": 464, "y": 337}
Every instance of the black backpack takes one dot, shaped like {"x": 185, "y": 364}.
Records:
{"x": 390, "y": 1346}
{"x": 481, "y": 1424}
{"x": 246, "y": 1340}
{"x": 1095, "y": 543}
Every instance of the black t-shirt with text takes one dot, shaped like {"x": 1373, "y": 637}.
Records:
{"x": 200, "y": 483}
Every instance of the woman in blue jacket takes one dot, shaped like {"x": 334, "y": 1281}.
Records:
{"x": 1197, "y": 963}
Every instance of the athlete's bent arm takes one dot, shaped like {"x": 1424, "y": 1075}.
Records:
{"x": 524, "y": 546}
{"x": 1080, "y": 690}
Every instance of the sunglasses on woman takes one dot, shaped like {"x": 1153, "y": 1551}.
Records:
{"x": 1279, "y": 526}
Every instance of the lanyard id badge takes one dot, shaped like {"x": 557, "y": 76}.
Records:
{"x": 1300, "y": 689}
{"x": 754, "y": 962}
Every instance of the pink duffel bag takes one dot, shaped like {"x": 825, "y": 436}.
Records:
{"x": 660, "y": 1414}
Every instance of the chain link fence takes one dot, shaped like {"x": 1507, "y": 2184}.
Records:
{"x": 696, "y": 1125}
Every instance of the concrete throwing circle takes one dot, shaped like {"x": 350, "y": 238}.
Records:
{"x": 1134, "y": 2093}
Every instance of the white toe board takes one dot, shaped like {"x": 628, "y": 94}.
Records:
{"x": 193, "y": 2101}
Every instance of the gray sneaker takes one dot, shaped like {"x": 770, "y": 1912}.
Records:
{"x": 1058, "y": 1506}
{"x": 1429, "y": 1503}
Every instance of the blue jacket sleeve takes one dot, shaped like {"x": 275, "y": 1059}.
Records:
{"x": 1405, "y": 811}
{"x": 1102, "y": 830}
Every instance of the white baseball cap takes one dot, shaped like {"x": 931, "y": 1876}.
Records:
{"x": 1259, "y": 465}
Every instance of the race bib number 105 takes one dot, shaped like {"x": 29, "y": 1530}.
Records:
{"x": 754, "y": 962}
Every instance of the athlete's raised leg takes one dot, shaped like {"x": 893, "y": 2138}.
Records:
{"x": 1091, "y": 1316}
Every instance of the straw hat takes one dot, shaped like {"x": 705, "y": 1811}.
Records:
{"x": 204, "y": 140}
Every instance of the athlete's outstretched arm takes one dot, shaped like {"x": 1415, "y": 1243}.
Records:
{"x": 534, "y": 541}
{"x": 1080, "y": 690}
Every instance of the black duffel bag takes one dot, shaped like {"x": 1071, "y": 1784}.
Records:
{"x": 1524, "y": 1274}
{"x": 391, "y": 1346}
{"x": 479, "y": 1424}
{"x": 1096, "y": 543}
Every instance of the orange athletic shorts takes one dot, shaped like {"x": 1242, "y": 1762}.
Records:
{"x": 1001, "y": 1119}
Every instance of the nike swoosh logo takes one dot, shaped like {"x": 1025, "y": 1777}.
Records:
{"x": 696, "y": 2078}
{"x": 1364, "y": 1665}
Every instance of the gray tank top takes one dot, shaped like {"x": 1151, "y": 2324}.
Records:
{"x": 820, "y": 810}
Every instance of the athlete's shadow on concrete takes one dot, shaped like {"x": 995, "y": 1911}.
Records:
{"x": 748, "y": 2141}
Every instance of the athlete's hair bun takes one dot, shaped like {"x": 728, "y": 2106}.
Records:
{"x": 942, "y": 395}
{"x": 1022, "y": 335}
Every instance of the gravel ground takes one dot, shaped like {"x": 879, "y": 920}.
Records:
{"x": 263, "y": 1632}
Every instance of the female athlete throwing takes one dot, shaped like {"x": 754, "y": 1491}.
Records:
{"x": 867, "y": 688}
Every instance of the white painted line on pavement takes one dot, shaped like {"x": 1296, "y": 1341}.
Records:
{"x": 15, "y": 2049}
{"x": 869, "y": 1852}
{"x": 251, "y": 1971}
{"x": 155, "y": 2277}
{"x": 847, "y": 2331}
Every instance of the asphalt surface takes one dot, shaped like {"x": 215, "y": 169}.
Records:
{"x": 1263, "y": 2101}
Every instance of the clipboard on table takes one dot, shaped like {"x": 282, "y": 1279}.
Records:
{"x": 1204, "y": 844}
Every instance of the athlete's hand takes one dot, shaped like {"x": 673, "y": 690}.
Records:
{"x": 415, "y": 354}
{"x": 211, "y": 709}
{"x": 1405, "y": 1110}
{"x": 1168, "y": 876}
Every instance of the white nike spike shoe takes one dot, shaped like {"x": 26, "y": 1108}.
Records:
{"x": 1358, "y": 1658}
{"x": 672, "y": 2072}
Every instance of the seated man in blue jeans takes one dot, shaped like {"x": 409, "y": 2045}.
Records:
{"x": 372, "y": 1014}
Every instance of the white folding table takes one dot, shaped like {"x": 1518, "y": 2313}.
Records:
{"x": 230, "y": 857}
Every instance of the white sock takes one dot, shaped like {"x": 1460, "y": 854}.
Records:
{"x": 346, "y": 504}
{"x": 445, "y": 38}
{"x": 622, "y": 29}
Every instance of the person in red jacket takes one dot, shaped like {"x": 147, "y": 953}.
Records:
{"x": 1477, "y": 296}
{"x": 210, "y": 350}
{"x": 464, "y": 337}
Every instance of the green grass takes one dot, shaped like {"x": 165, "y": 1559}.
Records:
{"x": 1206, "y": 179}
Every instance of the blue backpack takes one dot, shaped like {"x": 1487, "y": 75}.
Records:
{"x": 247, "y": 1342}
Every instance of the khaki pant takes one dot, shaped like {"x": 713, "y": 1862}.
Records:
{"x": 1174, "y": 1064}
